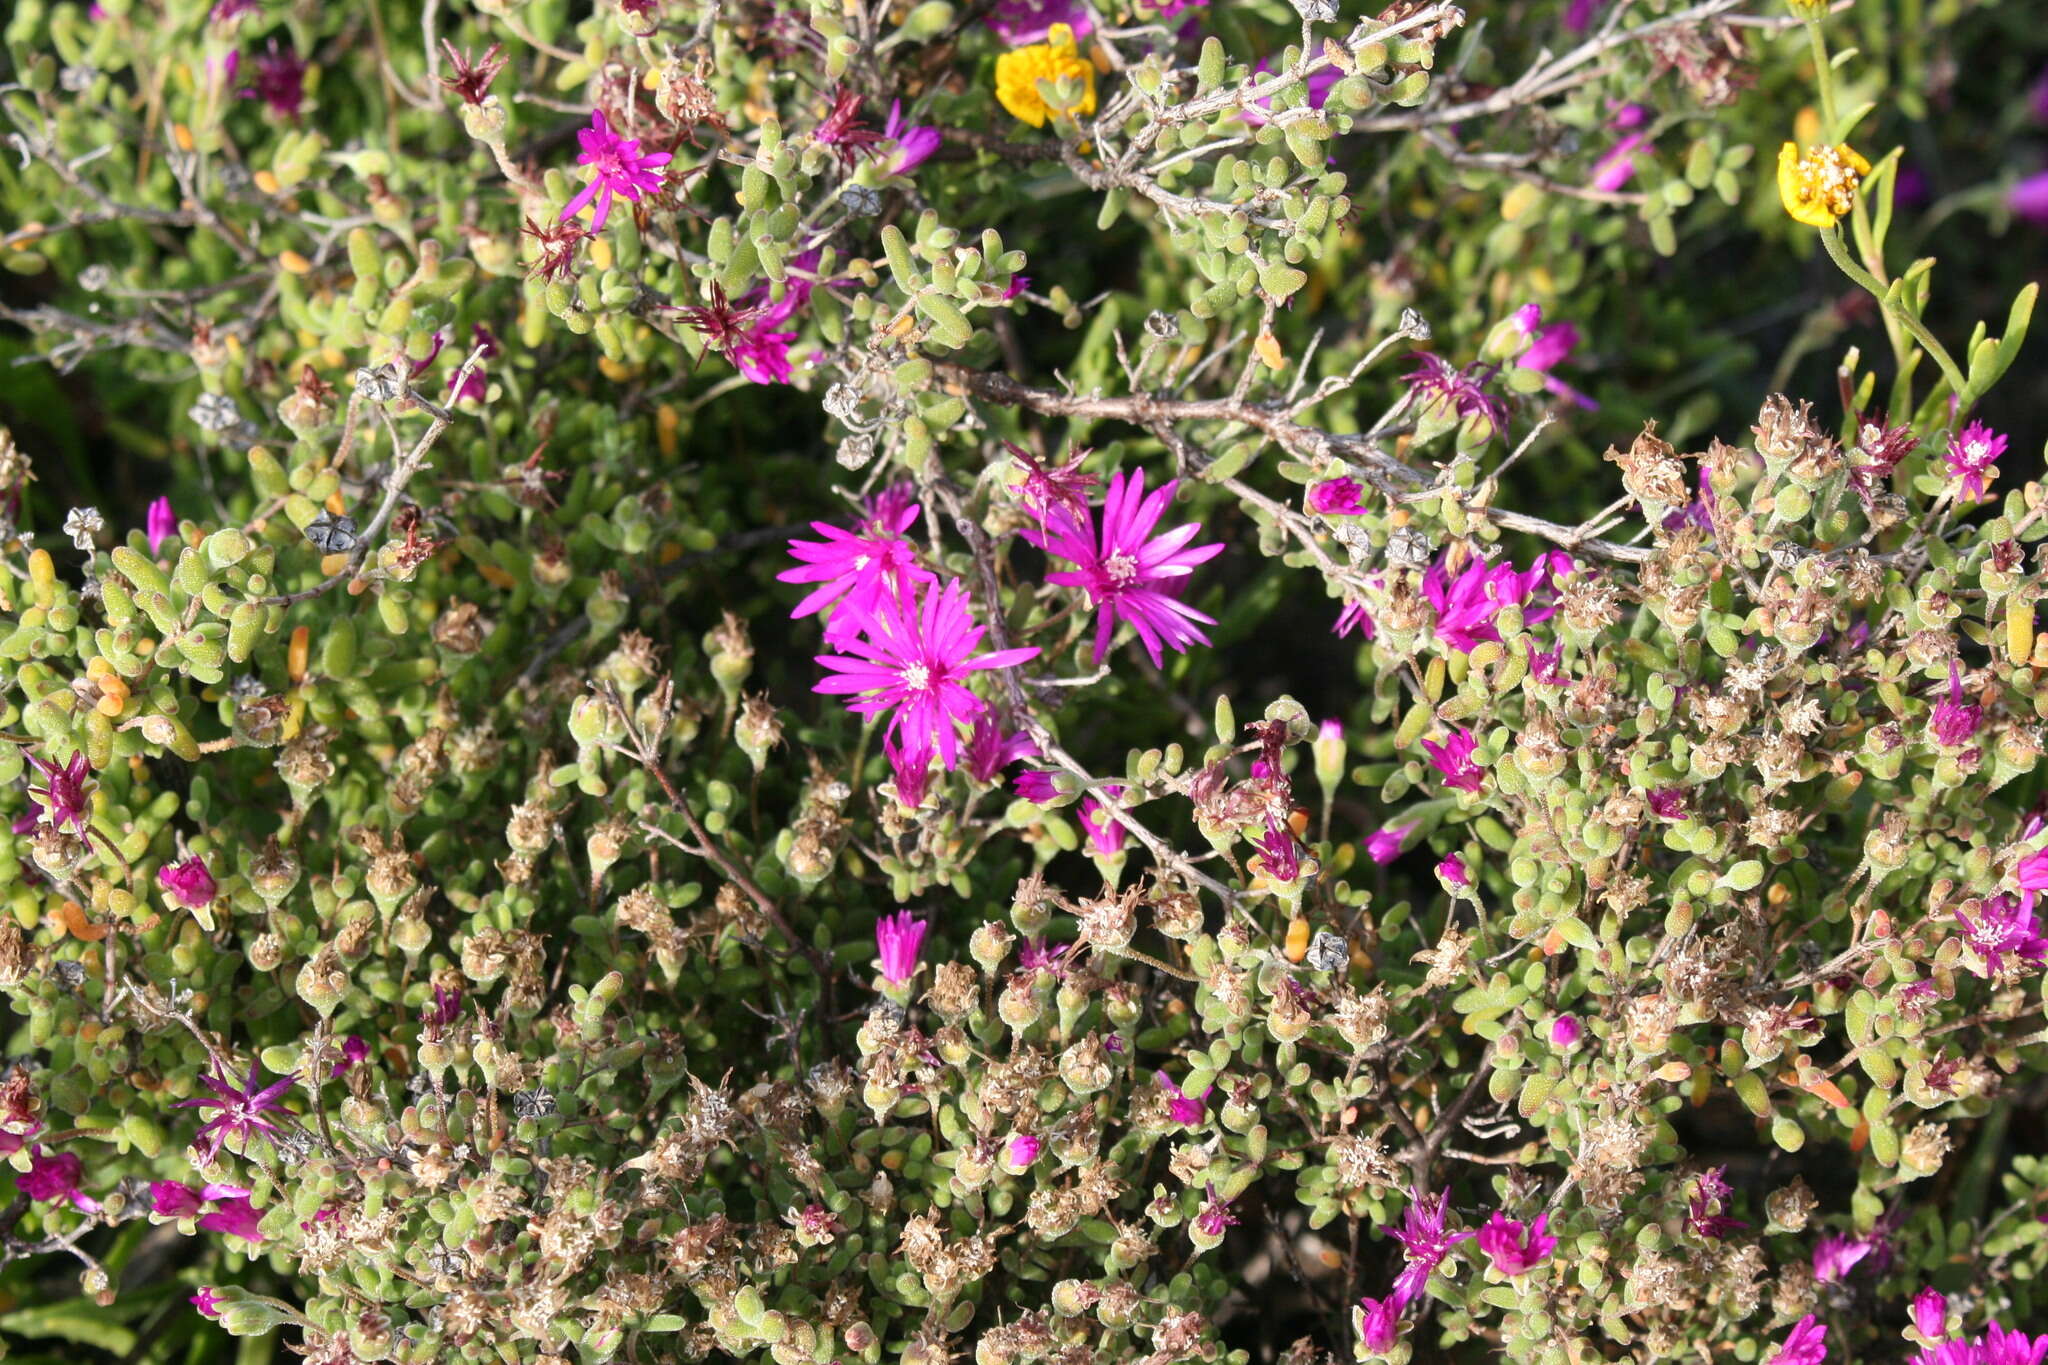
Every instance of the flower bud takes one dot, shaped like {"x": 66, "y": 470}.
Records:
{"x": 485, "y": 121}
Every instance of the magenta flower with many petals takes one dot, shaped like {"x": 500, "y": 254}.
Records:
{"x": 1183, "y": 1108}
{"x": 1453, "y": 760}
{"x": 914, "y": 143}
{"x": 1129, "y": 574}
{"x": 618, "y": 169}
{"x": 174, "y": 1199}
{"x": 1834, "y": 1256}
{"x": 280, "y": 80}
{"x": 1215, "y": 1214}
{"x": 989, "y": 750}
{"x": 66, "y": 793}
{"x": 1997, "y": 1346}
{"x": 1384, "y": 844}
{"x": 1021, "y": 1151}
{"x": 858, "y": 571}
{"x": 1805, "y": 1344}
{"x": 1467, "y": 604}
{"x": 1036, "y": 786}
{"x": 56, "y": 1177}
{"x": 1436, "y": 383}
{"x": 188, "y": 883}
{"x": 911, "y": 658}
{"x": 1379, "y": 1323}
{"x": 1668, "y": 803}
{"x": 236, "y": 1218}
{"x": 910, "y": 767}
{"x": 1954, "y": 721}
{"x": 1279, "y": 854}
{"x": 1972, "y": 454}
{"x": 1425, "y": 1241}
{"x": 160, "y": 524}
{"x": 1703, "y": 1211}
{"x": 1515, "y": 1247}
{"x": 1336, "y": 497}
{"x": 1453, "y": 872}
{"x": 354, "y": 1052}
{"x": 1106, "y": 833}
{"x": 241, "y": 1110}
{"x": 2003, "y": 927}
{"x": 1565, "y": 1031}
{"x": 898, "y": 938}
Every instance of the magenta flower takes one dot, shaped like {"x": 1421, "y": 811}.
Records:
{"x": 989, "y": 750}
{"x": 1972, "y": 453}
{"x": 1215, "y": 1215}
{"x": 914, "y": 144}
{"x": 762, "y": 354}
{"x": 1834, "y": 1256}
{"x": 1018, "y": 22}
{"x": 1049, "y": 490}
{"x": 1336, "y": 497}
{"x": 618, "y": 168}
{"x": 1930, "y": 1313}
{"x": 1514, "y": 1247}
{"x": 1578, "y": 16}
{"x": 56, "y": 1177}
{"x": 160, "y": 525}
{"x": 236, "y": 1218}
{"x": 1453, "y": 872}
{"x": 898, "y": 938}
{"x": 1617, "y": 166}
{"x": 444, "y": 1009}
{"x": 1545, "y": 666}
{"x": 1022, "y": 1150}
{"x": 843, "y": 131}
{"x": 354, "y": 1052}
{"x": 1128, "y": 574}
{"x": 2002, "y": 926}
{"x": 1425, "y": 1241}
{"x": 1805, "y": 1344}
{"x": 1379, "y": 1323}
{"x": 208, "y": 1302}
{"x": 280, "y": 81}
{"x": 1453, "y": 760}
{"x": 1668, "y": 803}
{"x": 1996, "y": 1347}
{"x": 173, "y": 1199}
{"x": 1184, "y": 1109}
{"x": 1954, "y": 722}
{"x": 1017, "y": 285}
{"x": 1354, "y": 616}
{"x": 188, "y": 883}
{"x": 1565, "y": 1031}
{"x": 1436, "y": 383}
{"x": 1384, "y": 844}
{"x": 66, "y": 793}
{"x": 2029, "y": 199}
{"x": 2032, "y": 874}
{"x": 911, "y": 658}
{"x": 857, "y": 572}
{"x": 1467, "y": 604}
{"x": 227, "y": 11}
{"x": 1548, "y": 348}
{"x": 241, "y": 1110}
{"x": 475, "y": 387}
{"x": 1035, "y": 956}
{"x": 910, "y": 765}
{"x": 1036, "y": 786}
{"x": 1106, "y": 833}
{"x": 1703, "y": 1211}
{"x": 1279, "y": 854}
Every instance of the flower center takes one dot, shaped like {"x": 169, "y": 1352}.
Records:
{"x": 1122, "y": 569}
{"x": 918, "y": 678}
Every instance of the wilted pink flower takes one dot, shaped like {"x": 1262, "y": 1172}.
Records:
{"x": 1128, "y": 574}
{"x": 236, "y": 1218}
{"x": 1955, "y": 722}
{"x": 188, "y": 883}
{"x": 910, "y": 765}
{"x": 898, "y": 938}
{"x": 442, "y": 1010}
{"x": 989, "y": 750}
{"x": 914, "y": 143}
{"x": 1548, "y": 348}
{"x": 1930, "y": 1313}
{"x": 475, "y": 387}
{"x": 2002, "y": 926}
{"x": 1467, "y": 604}
{"x": 1425, "y": 1241}
{"x": 1453, "y": 760}
{"x": 1106, "y": 833}
{"x": 1514, "y": 1247}
{"x": 1035, "y": 785}
{"x": 1379, "y": 1323}
{"x": 160, "y": 524}
{"x": 354, "y": 1051}
{"x": 1618, "y": 165}
{"x": 1545, "y": 665}
{"x": 1022, "y": 1150}
{"x": 1183, "y": 1108}
{"x": 1279, "y": 854}
{"x": 1453, "y": 871}
{"x": 242, "y": 1108}
{"x": 618, "y": 168}
{"x": 1668, "y": 803}
{"x": 173, "y": 1199}
{"x": 208, "y": 1302}
{"x": 1336, "y": 497}
{"x": 842, "y": 130}
{"x": 857, "y": 571}
{"x": 1703, "y": 1211}
{"x": 1018, "y": 22}
{"x": 1435, "y": 382}
{"x": 66, "y": 793}
{"x": 280, "y": 80}
{"x": 1036, "y": 956}
{"x": 911, "y": 658}
{"x": 2029, "y": 199}
{"x": 1805, "y": 1344}
{"x": 1972, "y": 453}
{"x": 56, "y": 1177}
{"x": 1565, "y": 1031}
{"x": 1215, "y": 1215}
{"x": 1834, "y": 1256}
{"x": 1384, "y": 844}
{"x": 1017, "y": 285}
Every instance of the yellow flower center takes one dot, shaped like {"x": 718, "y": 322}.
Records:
{"x": 1819, "y": 186}
{"x": 1027, "y": 79}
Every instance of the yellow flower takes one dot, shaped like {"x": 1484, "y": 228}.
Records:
{"x": 1819, "y": 186}
{"x": 1019, "y": 72}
